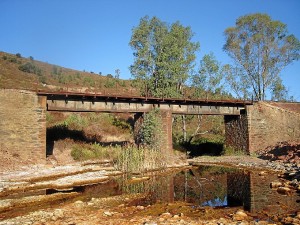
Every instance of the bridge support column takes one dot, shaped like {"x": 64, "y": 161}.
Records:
{"x": 138, "y": 121}
{"x": 22, "y": 126}
{"x": 167, "y": 132}
{"x": 166, "y": 117}
{"x": 237, "y": 132}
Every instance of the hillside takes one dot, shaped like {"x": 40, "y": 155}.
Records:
{"x": 66, "y": 131}
{"x": 18, "y": 72}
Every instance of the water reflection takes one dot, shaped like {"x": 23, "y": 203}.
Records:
{"x": 199, "y": 186}
{"x": 214, "y": 186}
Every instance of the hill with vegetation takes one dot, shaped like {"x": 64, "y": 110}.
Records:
{"x": 17, "y": 72}
{"x": 82, "y": 136}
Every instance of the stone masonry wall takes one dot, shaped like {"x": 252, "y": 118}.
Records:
{"x": 268, "y": 125}
{"x": 22, "y": 126}
{"x": 236, "y": 132}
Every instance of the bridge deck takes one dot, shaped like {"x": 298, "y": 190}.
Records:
{"x": 91, "y": 102}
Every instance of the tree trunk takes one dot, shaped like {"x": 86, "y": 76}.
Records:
{"x": 183, "y": 128}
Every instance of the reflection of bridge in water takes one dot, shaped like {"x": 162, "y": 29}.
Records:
{"x": 218, "y": 186}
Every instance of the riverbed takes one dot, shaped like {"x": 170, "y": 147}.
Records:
{"x": 200, "y": 194}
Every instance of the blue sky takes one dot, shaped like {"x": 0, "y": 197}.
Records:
{"x": 93, "y": 35}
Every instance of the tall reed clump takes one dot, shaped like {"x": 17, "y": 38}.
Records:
{"x": 133, "y": 159}
{"x": 147, "y": 155}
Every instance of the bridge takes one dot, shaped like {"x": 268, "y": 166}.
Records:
{"x": 87, "y": 102}
{"x": 93, "y": 102}
{"x": 249, "y": 126}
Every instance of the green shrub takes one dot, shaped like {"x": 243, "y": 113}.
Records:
{"x": 94, "y": 151}
{"x": 88, "y": 81}
{"x": 121, "y": 123}
{"x": 76, "y": 121}
{"x": 230, "y": 151}
{"x": 29, "y": 67}
{"x": 150, "y": 133}
{"x": 110, "y": 83}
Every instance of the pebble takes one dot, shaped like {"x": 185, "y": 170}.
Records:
{"x": 140, "y": 207}
{"x": 107, "y": 213}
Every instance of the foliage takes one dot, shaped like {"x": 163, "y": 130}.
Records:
{"x": 208, "y": 79}
{"x": 94, "y": 151}
{"x": 75, "y": 121}
{"x": 18, "y": 55}
{"x": 110, "y": 82}
{"x": 121, "y": 123}
{"x": 133, "y": 159}
{"x": 230, "y": 151}
{"x": 261, "y": 48}
{"x": 88, "y": 81}
{"x": 11, "y": 59}
{"x": 164, "y": 57}
{"x": 150, "y": 133}
{"x": 30, "y": 67}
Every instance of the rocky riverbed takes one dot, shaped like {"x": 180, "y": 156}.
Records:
{"x": 22, "y": 201}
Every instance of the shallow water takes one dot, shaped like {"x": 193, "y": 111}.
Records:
{"x": 198, "y": 186}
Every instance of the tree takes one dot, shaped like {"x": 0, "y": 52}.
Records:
{"x": 117, "y": 74}
{"x": 208, "y": 79}
{"x": 164, "y": 56}
{"x": 261, "y": 48}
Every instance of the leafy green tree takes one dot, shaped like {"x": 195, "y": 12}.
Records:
{"x": 279, "y": 91}
{"x": 261, "y": 48}
{"x": 209, "y": 78}
{"x": 164, "y": 57}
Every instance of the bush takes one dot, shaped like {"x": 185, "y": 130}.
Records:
{"x": 150, "y": 133}
{"x": 94, "y": 151}
{"x": 29, "y": 67}
{"x": 18, "y": 55}
{"x": 110, "y": 82}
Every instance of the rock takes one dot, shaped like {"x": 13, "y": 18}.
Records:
{"x": 262, "y": 173}
{"x": 166, "y": 215}
{"x": 262, "y": 222}
{"x": 288, "y": 219}
{"x": 176, "y": 217}
{"x": 284, "y": 190}
{"x": 275, "y": 184}
{"x": 78, "y": 202}
{"x": 59, "y": 213}
{"x": 240, "y": 215}
{"x": 107, "y": 213}
{"x": 140, "y": 207}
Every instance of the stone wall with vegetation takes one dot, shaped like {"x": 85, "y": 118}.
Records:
{"x": 269, "y": 125}
{"x": 22, "y": 126}
{"x": 236, "y": 133}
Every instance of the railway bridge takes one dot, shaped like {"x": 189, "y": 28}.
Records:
{"x": 249, "y": 126}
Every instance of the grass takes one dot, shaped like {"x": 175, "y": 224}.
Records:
{"x": 230, "y": 151}
{"x": 94, "y": 151}
{"x": 18, "y": 72}
{"x": 136, "y": 160}
{"x": 127, "y": 159}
